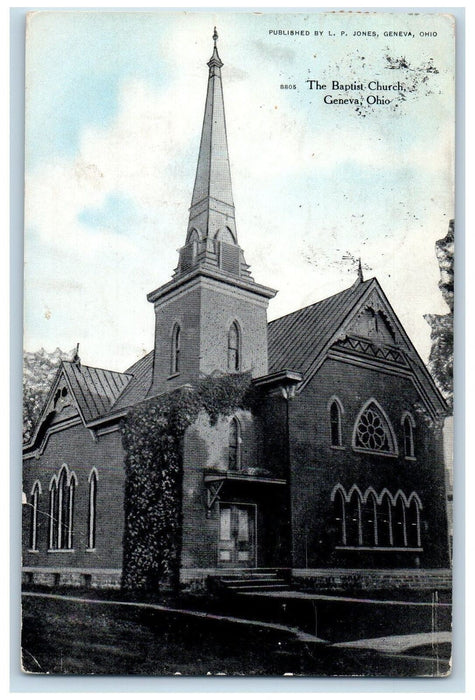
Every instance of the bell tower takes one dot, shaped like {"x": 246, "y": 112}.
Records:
{"x": 212, "y": 316}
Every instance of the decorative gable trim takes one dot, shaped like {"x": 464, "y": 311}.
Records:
{"x": 45, "y": 413}
{"x": 419, "y": 373}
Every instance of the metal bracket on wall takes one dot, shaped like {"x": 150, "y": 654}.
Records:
{"x": 213, "y": 489}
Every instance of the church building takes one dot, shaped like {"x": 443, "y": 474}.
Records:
{"x": 335, "y": 475}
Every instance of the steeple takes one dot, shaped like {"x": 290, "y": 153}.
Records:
{"x": 212, "y": 205}
{"x": 212, "y": 316}
{"x": 211, "y": 238}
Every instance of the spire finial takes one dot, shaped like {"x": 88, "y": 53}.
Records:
{"x": 215, "y": 37}
{"x": 360, "y": 271}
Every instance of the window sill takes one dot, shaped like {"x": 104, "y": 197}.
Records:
{"x": 33, "y": 551}
{"x": 172, "y": 376}
{"x": 337, "y": 447}
{"x": 374, "y": 452}
{"x": 88, "y": 549}
{"x": 379, "y": 549}
{"x": 410, "y": 459}
{"x": 60, "y": 551}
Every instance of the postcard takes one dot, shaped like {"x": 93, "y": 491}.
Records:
{"x": 238, "y": 341}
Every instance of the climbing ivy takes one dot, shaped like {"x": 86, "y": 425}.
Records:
{"x": 152, "y": 435}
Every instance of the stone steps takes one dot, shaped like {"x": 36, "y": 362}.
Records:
{"x": 251, "y": 581}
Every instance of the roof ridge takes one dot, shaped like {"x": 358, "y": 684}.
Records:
{"x": 320, "y": 301}
{"x": 102, "y": 369}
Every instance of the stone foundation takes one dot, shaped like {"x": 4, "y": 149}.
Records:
{"x": 367, "y": 580}
{"x": 76, "y": 578}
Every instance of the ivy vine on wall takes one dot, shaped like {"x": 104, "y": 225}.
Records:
{"x": 152, "y": 435}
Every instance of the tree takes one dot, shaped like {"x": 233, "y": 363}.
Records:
{"x": 39, "y": 369}
{"x": 442, "y": 335}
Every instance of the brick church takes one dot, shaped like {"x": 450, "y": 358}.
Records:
{"x": 337, "y": 472}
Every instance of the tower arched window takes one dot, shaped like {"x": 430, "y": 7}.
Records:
{"x": 34, "y": 502}
{"x": 91, "y": 517}
{"x": 175, "y": 349}
{"x": 335, "y": 424}
{"x": 408, "y": 429}
{"x": 234, "y": 454}
{"x": 234, "y": 355}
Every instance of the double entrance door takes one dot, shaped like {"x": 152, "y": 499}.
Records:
{"x": 237, "y": 535}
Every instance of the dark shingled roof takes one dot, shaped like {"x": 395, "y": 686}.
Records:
{"x": 95, "y": 389}
{"x": 296, "y": 340}
{"x": 138, "y": 388}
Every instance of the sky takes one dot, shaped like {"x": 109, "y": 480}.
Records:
{"x": 114, "y": 107}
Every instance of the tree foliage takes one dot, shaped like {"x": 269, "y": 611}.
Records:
{"x": 442, "y": 335}
{"x": 39, "y": 369}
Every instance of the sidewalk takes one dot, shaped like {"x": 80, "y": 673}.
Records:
{"x": 398, "y": 643}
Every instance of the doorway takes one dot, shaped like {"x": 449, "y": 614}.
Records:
{"x": 237, "y": 535}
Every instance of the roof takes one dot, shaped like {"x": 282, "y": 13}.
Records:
{"x": 138, "y": 387}
{"x": 295, "y": 340}
{"x": 95, "y": 389}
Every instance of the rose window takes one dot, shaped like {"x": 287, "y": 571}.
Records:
{"x": 372, "y": 431}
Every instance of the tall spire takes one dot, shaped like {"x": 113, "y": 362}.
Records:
{"x": 212, "y": 205}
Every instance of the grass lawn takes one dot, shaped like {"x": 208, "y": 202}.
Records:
{"x": 66, "y": 637}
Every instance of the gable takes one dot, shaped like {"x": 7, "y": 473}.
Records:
{"x": 358, "y": 322}
{"x": 62, "y": 404}
{"x": 78, "y": 393}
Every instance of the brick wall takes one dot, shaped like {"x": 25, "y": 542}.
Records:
{"x": 205, "y": 310}
{"x": 317, "y": 467}
{"x": 76, "y": 448}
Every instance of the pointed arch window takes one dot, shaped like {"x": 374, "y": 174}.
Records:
{"x": 370, "y": 521}
{"x": 71, "y": 499}
{"x": 354, "y": 529}
{"x": 373, "y": 431}
{"x": 34, "y": 502}
{"x": 413, "y": 522}
{"x": 399, "y": 523}
{"x": 408, "y": 430}
{"x": 335, "y": 424}
{"x": 234, "y": 342}
{"x": 340, "y": 515}
{"x": 53, "y": 520}
{"x": 63, "y": 511}
{"x": 234, "y": 454}
{"x": 175, "y": 349}
{"x": 91, "y": 517}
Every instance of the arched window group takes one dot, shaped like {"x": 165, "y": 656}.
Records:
{"x": 233, "y": 350}
{"x": 370, "y": 520}
{"x": 61, "y": 511}
{"x": 372, "y": 430}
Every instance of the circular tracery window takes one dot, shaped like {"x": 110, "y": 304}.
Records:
{"x": 372, "y": 433}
